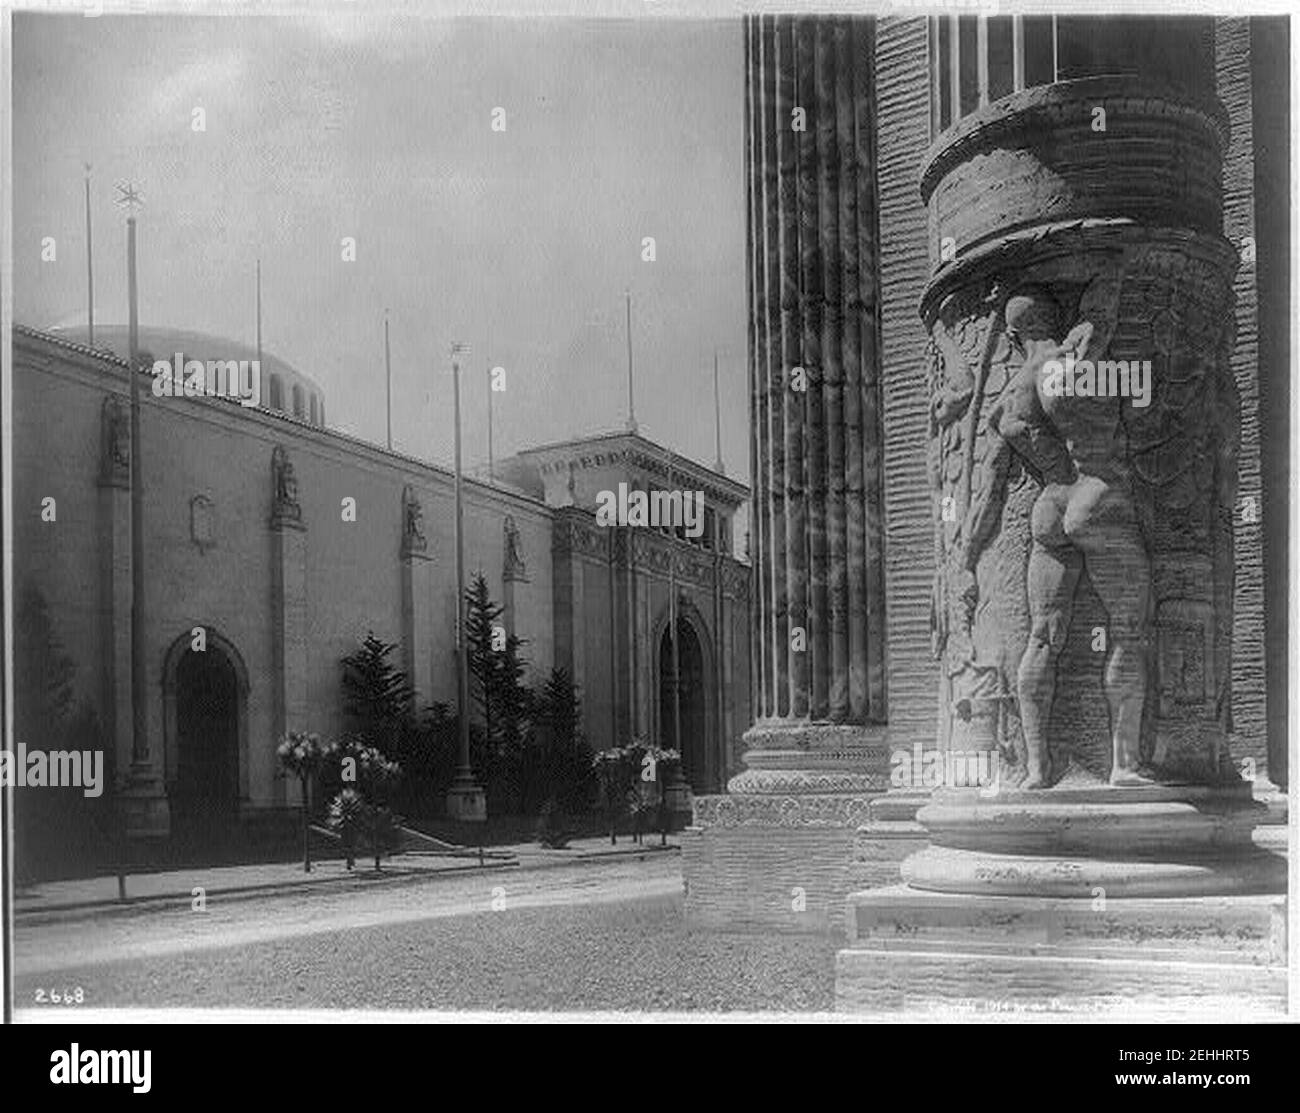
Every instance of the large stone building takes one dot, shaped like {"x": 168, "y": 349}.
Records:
{"x": 249, "y": 535}
{"x": 1085, "y": 591}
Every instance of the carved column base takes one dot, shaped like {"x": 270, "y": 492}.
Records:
{"x": 802, "y": 758}
{"x": 1163, "y": 840}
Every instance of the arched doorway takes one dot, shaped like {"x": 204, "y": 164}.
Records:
{"x": 682, "y": 699}
{"x": 205, "y": 692}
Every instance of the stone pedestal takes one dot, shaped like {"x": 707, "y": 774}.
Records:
{"x": 146, "y": 814}
{"x": 466, "y": 800}
{"x": 1184, "y": 958}
{"x": 1077, "y": 901}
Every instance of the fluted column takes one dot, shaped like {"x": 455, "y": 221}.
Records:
{"x": 819, "y": 586}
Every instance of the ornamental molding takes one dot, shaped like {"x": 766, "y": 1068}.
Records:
{"x": 787, "y": 811}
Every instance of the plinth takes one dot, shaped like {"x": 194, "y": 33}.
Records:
{"x": 1077, "y": 900}
{"x": 466, "y": 800}
{"x": 777, "y": 851}
{"x": 144, "y": 806}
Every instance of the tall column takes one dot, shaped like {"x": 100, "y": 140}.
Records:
{"x": 812, "y": 296}
{"x": 778, "y": 848}
{"x": 288, "y": 609}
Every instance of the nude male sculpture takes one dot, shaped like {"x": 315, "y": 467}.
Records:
{"x": 1085, "y": 517}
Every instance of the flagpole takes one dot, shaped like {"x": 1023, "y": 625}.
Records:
{"x": 631, "y": 404}
{"x": 492, "y": 472}
{"x": 465, "y": 799}
{"x": 717, "y": 420}
{"x": 388, "y": 379}
{"x": 672, "y": 623}
{"x": 139, "y": 718}
{"x": 144, "y": 794}
{"x": 90, "y": 271}
{"x": 259, "y": 313}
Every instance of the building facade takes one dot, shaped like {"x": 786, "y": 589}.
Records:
{"x": 273, "y": 544}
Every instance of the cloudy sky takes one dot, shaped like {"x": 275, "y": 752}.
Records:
{"x": 338, "y": 125}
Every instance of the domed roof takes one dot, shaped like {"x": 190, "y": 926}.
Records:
{"x": 164, "y": 343}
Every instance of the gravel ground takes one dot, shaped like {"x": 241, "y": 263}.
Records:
{"x": 636, "y": 954}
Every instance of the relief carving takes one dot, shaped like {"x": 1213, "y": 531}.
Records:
{"x": 1081, "y": 609}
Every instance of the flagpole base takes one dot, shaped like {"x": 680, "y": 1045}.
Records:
{"x": 466, "y": 800}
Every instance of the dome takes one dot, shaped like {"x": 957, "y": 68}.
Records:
{"x": 283, "y": 388}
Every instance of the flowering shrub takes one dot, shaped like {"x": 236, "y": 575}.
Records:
{"x": 358, "y": 821}
{"x": 361, "y": 780}
{"x": 632, "y": 780}
{"x": 302, "y": 753}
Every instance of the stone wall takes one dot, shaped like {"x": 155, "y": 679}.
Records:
{"x": 350, "y": 575}
{"x": 1233, "y": 77}
{"x": 903, "y": 122}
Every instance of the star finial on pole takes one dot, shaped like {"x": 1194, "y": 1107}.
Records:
{"x": 131, "y": 197}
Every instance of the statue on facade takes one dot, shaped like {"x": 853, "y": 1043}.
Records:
{"x": 284, "y": 488}
{"x": 116, "y": 465}
{"x": 515, "y": 568}
{"x": 413, "y": 539}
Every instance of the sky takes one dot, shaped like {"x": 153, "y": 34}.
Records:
{"x": 339, "y": 124}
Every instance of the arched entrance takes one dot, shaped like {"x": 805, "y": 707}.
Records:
{"x": 204, "y": 694}
{"x": 682, "y": 699}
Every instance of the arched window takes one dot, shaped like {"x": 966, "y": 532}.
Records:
{"x": 277, "y": 393}
{"x": 297, "y": 400}
{"x": 313, "y": 410}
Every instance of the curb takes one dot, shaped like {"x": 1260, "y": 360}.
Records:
{"x": 74, "y": 910}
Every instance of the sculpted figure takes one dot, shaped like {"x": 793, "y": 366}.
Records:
{"x": 1085, "y": 517}
{"x": 514, "y": 562}
{"x": 119, "y": 436}
{"x": 286, "y": 485}
{"x": 413, "y": 525}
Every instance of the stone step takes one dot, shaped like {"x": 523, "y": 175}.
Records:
{"x": 920, "y": 951}
{"x": 1252, "y": 927}
{"x": 924, "y": 982}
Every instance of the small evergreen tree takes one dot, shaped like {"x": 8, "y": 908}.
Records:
{"x": 563, "y": 757}
{"x": 377, "y": 696}
{"x": 481, "y": 623}
{"x": 496, "y": 672}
